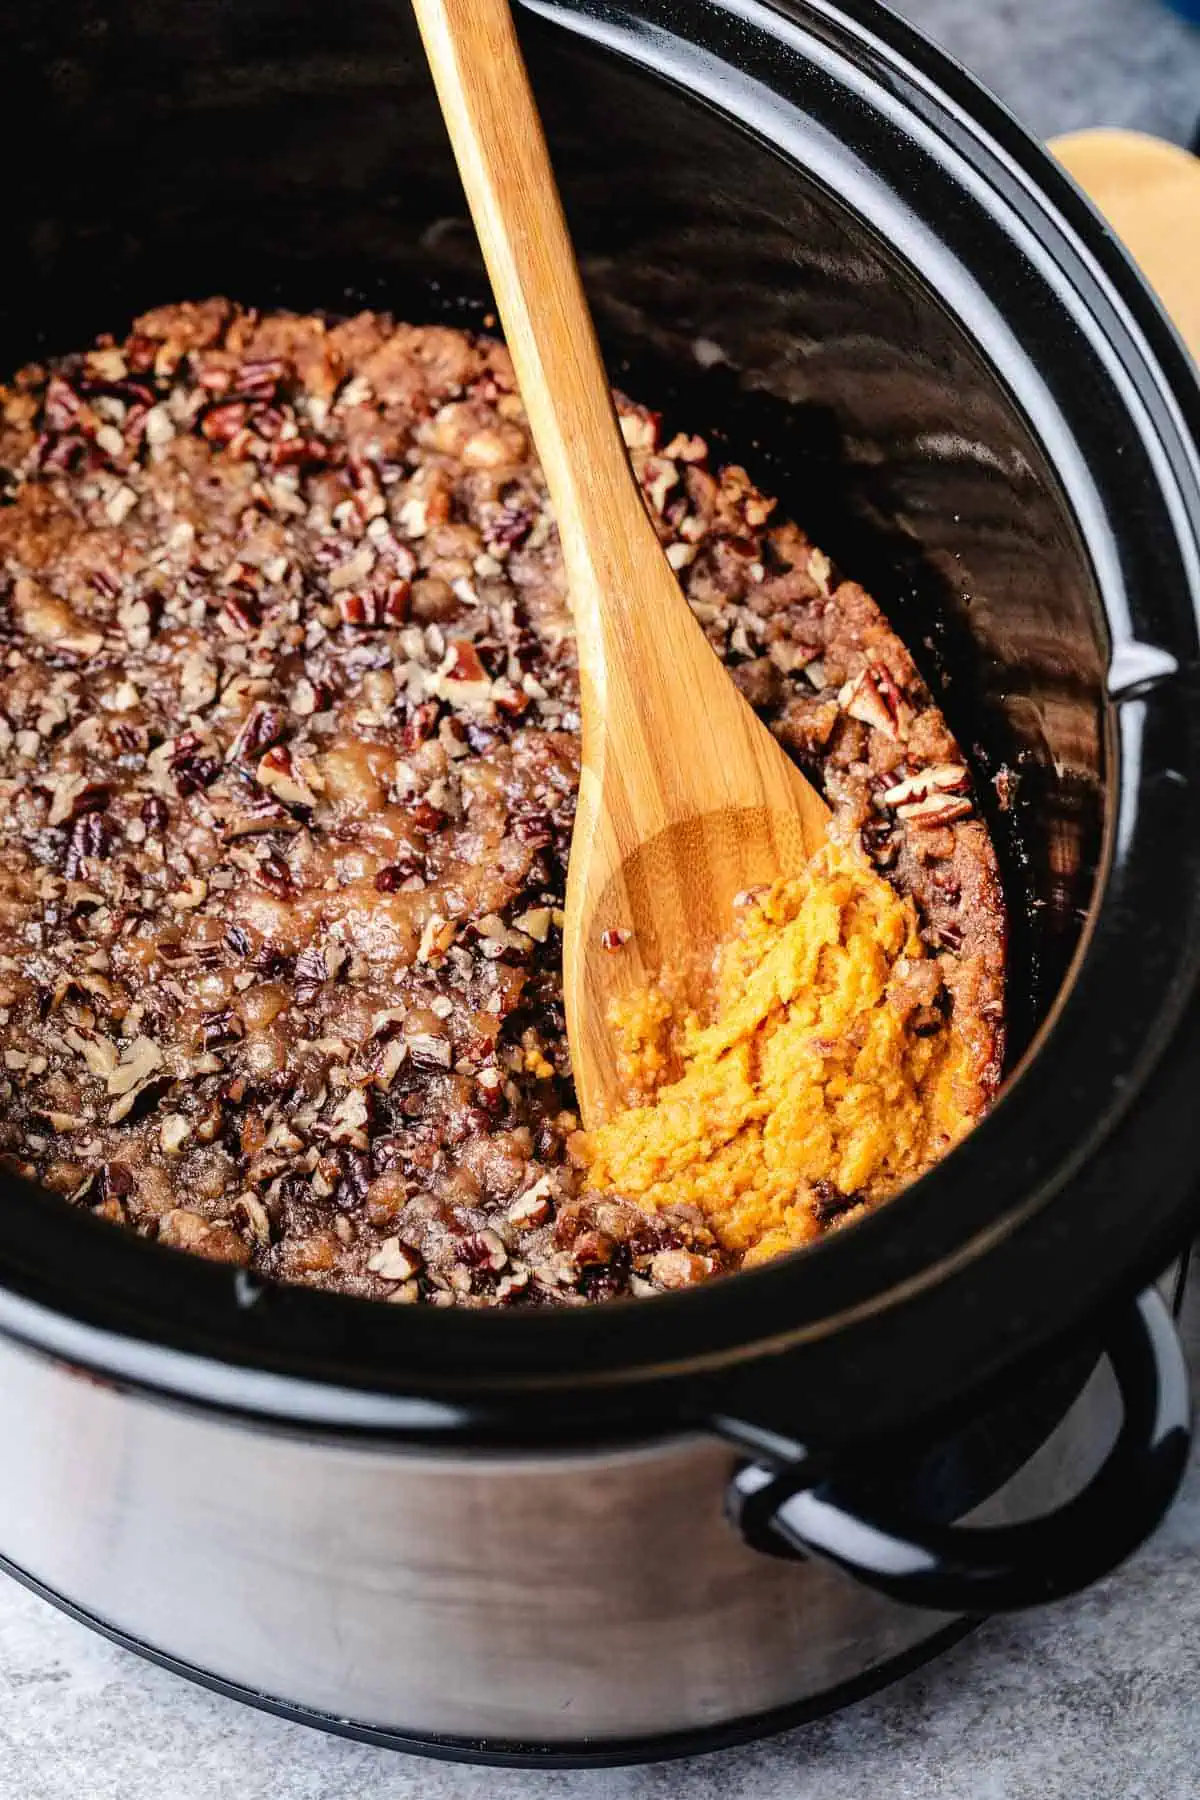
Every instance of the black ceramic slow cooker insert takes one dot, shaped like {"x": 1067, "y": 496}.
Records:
{"x": 807, "y": 233}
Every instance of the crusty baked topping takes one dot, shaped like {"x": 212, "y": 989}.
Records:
{"x": 288, "y": 754}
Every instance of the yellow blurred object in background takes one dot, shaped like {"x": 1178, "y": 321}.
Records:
{"x": 1149, "y": 191}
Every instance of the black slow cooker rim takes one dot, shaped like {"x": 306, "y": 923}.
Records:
{"x": 875, "y": 1304}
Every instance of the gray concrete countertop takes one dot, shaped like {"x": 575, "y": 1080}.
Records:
{"x": 1092, "y": 1701}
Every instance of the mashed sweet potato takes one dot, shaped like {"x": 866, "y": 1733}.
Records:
{"x": 828, "y": 1076}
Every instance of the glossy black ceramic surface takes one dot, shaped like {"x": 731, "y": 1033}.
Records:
{"x": 806, "y": 232}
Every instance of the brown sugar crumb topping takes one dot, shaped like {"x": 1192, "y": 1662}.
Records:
{"x": 288, "y": 756}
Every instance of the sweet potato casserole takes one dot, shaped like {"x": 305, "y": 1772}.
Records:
{"x": 289, "y": 745}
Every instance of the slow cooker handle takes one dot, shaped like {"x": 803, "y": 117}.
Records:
{"x": 988, "y": 1569}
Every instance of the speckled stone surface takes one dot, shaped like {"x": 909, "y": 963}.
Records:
{"x": 1093, "y": 1701}
{"x": 1064, "y": 64}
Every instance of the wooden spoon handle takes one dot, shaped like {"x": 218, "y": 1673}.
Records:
{"x": 497, "y": 135}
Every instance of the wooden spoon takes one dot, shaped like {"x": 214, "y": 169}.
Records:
{"x": 1149, "y": 191}
{"x": 685, "y": 799}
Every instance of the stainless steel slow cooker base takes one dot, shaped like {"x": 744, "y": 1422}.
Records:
{"x": 580, "y": 1606}
{"x": 495, "y": 1754}
{"x": 606, "y": 1754}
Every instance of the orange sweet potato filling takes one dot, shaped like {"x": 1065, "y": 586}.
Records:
{"x": 828, "y": 1072}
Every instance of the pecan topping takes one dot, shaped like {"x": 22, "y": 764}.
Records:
{"x": 875, "y": 700}
{"x": 289, "y": 750}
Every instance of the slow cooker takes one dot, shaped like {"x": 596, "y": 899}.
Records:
{"x": 625, "y": 1531}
